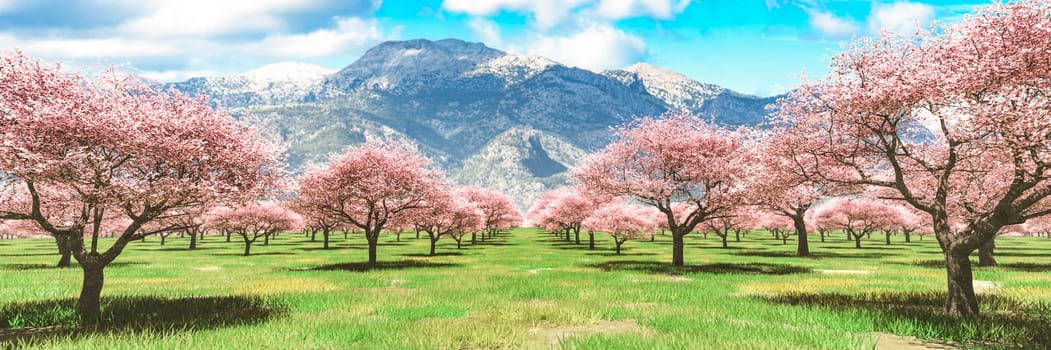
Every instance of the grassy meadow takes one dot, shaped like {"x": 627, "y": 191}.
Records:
{"x": 524, "y": 289}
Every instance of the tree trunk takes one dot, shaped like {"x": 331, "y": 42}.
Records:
{"x": 248, "y": 247}
{"x": 88, "y": 305}
{"x": 908, "y": 236}
{"x": 961, "y": 300}
{"x": 228, "y": 236}
{"x": 618, "y": 242}
{"x": 784, "y": 238}
{"x": 474, "y": 239}
{"x": 458, "y": 243}
{"x": 163, "y": 238}
{"x": 725, "y": 237}
{"x": 576, "y": 232}
{"x": 677, "y": 247}
{"x": 822, "y": 234}
{"x": 417, "y": 233}
{"x": 373, "y": 241}
{"x": 397, "y": 236}
{"x": 591, "y": 240}
{"x": 313, "y": 235}
{"x": 266, "y": 239}
{"x": 193, "y": 240}
{"x": 324, "y": 235}
{"x": 888, "y": 237}
{"x": 434, "y": 242}
{"x": 802, "y": 244}
{"x": 737, "y": 235}
{"x": 985, "y": 253}
{"x": 850, "y": 237}
{"x": 63, "y": 248}
{"x": 857, "y": 242}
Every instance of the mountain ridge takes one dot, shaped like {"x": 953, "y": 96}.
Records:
{"x": 467, "y": 106}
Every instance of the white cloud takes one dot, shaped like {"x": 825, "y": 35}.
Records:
{"x": 181, "y": 18}
{"x": 659, "y": 9}
{"x": 349, "y": 33}
{"x": 829, "y": 25}
{"x": 546, "y": 13}
{"x": 177, "y": 75}
{"x": 900, "y": 17}
{"x": 487, "y": 31}
{"x": 597, "y": 47}
{"x": 550, "y": 13}
{"x": 90, "y": 48}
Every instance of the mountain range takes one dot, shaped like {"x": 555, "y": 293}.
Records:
{"x": 510, "y": 122}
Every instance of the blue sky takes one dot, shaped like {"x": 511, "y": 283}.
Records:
{"x": 757, "y": 46}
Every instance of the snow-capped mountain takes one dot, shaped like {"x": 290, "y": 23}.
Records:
{"x": 514, "y": 123}
{"x": 279, "y": 83}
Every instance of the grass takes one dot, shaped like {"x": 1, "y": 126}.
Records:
{"x": 517, "y": 288}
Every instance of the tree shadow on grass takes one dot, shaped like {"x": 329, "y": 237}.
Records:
{"x": 252, "y": 254}
{"x": 873, "y": 246}
{"x": 489, "y": 242}
{"x": 1003, "y": 323}
{"x": 186, "y": 249}
{"x": 23, "y": 324}
{"x": 422, "y": 255}
{"x": 33, "y": 254}
{"x": 813, "y": 255}
{"x": 75, "y": 266}
{"x": 1012, "y": 253}
{"x": 382, "y": 265}
{"x": 622, "y": 253}
{"x": 1026, "y": 267}
{"x": 720, "y": 268}
{"x": 331, "y": 247}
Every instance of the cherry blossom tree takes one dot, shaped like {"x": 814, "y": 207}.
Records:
{"x": 678, "y": 160}
{"x": 500, "y": 213}
{"x": 953, "y": 120}
{"x": 564, "y": 210}
{"x": 779, "y": 225}
{"x": 444, "y": 213}
{"x": 857, "y": 217}
{"x": 622, "y": 221}
{"x": 724, "y": 226}
{"x": 315, "y": 218}
{"x": 254, "y": 220}
{"x": 116, "y": 149}
{"x": 782, "y": 187}
{"x": 369, "y": 185}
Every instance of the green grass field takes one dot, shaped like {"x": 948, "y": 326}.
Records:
{"x": 525, "y": 289}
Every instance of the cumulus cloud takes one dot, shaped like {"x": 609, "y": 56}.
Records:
{"x": 178, "y": 39}
{"x": 550, "y": 13}
{"x": 486, "y": 30}
{"x": 546, "y": 13}
{"x": 831, "y": 26}
{"x": 659, "y": 9}
{"x": 597, "y": 47}
{"x": 186, "y": 17}
{"x": 900, "y": 17}
{"x": 348, "y": 33}
{"x": 73, "y": 48}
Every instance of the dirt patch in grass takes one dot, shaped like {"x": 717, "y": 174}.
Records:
{"x": 896, "y": 342}
{"x": 207, "y": 268}
{"x": 548, "y": 336}
{"x": 394, "y": 286}
{"x": 679, "y": 279}
{"x": 845, "y": 272}
{"x": 985, "y": 287}
{"x": 536, "y": 271}
{"x": 640, "y": 306}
